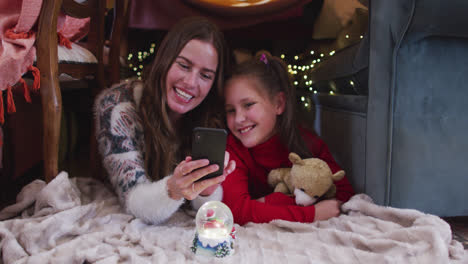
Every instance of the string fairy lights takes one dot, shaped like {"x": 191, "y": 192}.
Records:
{"x": 301, "y": 66}
{"x": 137, "y": 61}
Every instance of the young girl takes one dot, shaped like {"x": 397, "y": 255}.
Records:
{"x": 260, "y": 112}
{"x": 144, "y": 129}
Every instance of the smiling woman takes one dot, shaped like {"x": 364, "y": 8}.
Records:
{"x": 144, "y": 128}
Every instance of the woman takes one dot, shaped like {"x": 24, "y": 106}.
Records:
{"x": 144, "y": 129}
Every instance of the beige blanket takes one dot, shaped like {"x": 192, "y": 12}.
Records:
{"x": 79, "y": 221}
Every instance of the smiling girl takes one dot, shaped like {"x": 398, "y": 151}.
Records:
{"x": 260, "y": 112}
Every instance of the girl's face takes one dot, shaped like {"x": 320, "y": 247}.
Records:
{"x": 190, "y": 77}
{"x": 250, "y": 112}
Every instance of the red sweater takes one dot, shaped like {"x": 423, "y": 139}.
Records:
{"x": 248, "y": 182}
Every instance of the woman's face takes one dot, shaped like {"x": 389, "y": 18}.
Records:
{"x": 190, "y": 77}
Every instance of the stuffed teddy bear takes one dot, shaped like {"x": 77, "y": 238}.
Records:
{"x": 309, "y": 179}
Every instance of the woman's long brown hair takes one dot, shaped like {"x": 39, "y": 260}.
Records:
{"x": 271, "y": 73}
{"x": 166, "y": 144}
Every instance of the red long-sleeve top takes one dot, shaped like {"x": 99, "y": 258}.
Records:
{"x": 248, "y": 182}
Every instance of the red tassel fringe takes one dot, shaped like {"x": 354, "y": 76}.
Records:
{"x": 9, "y": 33}
{"x": 11, "y": 108}
{"x": 63, "y": 41}
{"x": 27, "y": 95}
{"x": 37, "y": 77}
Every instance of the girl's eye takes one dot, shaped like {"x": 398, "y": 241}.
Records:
{"x": 230, "y": 110}
{"x": 248, "y": 105}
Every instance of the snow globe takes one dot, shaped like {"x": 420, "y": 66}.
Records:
{"x": 215, "y": 232}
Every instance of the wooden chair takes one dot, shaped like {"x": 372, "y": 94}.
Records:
{"x": 51, "y": 66}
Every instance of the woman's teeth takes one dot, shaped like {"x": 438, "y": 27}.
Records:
{"x": 247, "y": 129}
{"x": 183, "y": 94}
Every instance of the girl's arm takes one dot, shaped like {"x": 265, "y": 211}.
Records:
{"x": 327, "y": 208}
{"x": 246, "y": 209}
{"x": 277, "y": 198}
{"x": 120, "y": 138}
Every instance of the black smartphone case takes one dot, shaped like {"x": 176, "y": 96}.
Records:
{"x": 209, "y": 143}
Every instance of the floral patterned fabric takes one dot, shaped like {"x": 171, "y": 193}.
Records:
{"x": 120, "y": 136}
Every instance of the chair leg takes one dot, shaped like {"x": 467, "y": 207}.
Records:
{"x": 51, "y": 98}
{"x": 51, "y": 115}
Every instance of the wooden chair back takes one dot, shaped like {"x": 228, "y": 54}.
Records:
{"x": 51, "y": 66}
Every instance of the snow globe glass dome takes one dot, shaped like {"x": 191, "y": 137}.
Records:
{"x": 214, "y": 230}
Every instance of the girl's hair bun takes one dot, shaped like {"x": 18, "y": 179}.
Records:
{"x": 264, "y": 53}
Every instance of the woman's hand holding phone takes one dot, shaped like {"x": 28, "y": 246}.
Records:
{"x": 229, "y": 166}
{"x": 183, "y": 183}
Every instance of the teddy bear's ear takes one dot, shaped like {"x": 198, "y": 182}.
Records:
{"x": 338, "y": 175}
{"x": 295, "y": 159}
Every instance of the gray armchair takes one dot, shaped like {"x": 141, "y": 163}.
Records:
{"x": 405, "y": 143}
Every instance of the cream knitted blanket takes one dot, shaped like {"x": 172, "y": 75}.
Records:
{"x": 79, "y": 221}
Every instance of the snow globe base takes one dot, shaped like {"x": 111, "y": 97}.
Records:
{"x": 210, "y": 247}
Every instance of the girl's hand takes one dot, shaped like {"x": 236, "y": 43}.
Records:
{"x": 229, "y": 166}
{"x": 327, "y": 209}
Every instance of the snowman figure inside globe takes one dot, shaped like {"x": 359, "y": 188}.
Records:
{"x": 215, "y": 232}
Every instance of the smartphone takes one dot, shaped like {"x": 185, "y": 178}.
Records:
{"x": 209, "y": 143}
